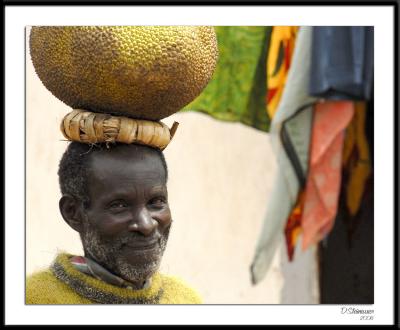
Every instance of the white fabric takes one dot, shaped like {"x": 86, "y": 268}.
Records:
{"x": 286, "y": 185}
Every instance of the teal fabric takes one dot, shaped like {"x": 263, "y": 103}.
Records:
{"x": 237, "y": 90}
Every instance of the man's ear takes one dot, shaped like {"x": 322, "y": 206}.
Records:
{"x": 72, "y": 210}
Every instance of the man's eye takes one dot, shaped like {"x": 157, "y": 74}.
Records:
{"x": 157, "y": 202}
{"x": 118, "y": 205}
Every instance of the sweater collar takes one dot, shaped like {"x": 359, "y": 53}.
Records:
{"x": 92, "y": 268}
{"x": 96, "y": 289}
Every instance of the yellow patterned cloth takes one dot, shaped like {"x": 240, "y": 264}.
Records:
{"x": 62, "y": 283}
{"x": 282, "y": 43}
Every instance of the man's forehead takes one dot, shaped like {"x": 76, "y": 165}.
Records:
{"x": 128, "y": 162}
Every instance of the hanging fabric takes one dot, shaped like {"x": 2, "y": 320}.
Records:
{"x": 236, "y": 92}
{"x": 286, "y": 184}
{"x": 324, "y": 177}
{"x": 293, "y": 225}
{"x": 295, "y": 138}
{"x": 356, "y": 159}
{"x": 282, "y": 44}
{"x": 342, "y": 62}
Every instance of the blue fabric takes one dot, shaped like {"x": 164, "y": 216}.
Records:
{"x": 342, "y": 62}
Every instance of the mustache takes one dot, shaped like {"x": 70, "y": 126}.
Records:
{"x": 137, "y": 238}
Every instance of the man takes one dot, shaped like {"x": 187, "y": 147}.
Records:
{"x": 116, "y": 198}
{"x": 120, "y": 81}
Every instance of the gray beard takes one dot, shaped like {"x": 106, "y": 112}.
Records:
{"x": 108, "y": 254}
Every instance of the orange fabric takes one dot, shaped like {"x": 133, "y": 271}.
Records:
{"x": 280, "y": 53}
{"x": 293, "y": 225}
{"x": 324, "y": 178}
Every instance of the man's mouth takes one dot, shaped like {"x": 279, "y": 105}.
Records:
{"x": 144, "y": 246}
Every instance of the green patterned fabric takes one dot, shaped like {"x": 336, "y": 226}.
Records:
{"x": 238, "y": 88}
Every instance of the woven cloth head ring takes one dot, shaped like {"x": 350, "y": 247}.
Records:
{"x": 89, "y": 127}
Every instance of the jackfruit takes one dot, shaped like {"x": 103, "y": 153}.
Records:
{"x": 144, "y": 72}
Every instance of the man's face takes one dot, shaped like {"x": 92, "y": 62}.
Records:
{"x": 128, "y": 220}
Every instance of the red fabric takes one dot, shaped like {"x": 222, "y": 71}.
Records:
{"x": 271, "y": 93}
{"x": 324, "y": 177}
{"x": 78, "y": 260}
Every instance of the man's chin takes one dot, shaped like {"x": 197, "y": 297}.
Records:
{"x": 131, "y": 263}
{"x": 137, "y": 273}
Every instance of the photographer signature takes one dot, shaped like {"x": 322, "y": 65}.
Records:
{"x": 365, "y": 314}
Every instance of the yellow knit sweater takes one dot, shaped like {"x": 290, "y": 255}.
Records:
{"x": 63, "y": 284}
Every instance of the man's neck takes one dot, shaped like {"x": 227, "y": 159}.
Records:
{"x": 91, "y": 267}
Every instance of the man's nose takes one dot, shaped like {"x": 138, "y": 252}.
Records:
{"x": 143, "y": 223}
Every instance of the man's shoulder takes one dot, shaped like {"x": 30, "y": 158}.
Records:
{"x": 43, "y": 288}
{"x": 177, "y": 291}
{"x": 40, "y": 286}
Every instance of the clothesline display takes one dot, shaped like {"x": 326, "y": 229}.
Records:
{"x": 309, "y": 87}
{"x": 336, "y": 74}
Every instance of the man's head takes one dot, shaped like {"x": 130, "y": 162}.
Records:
{"x": 116, "y": 198}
